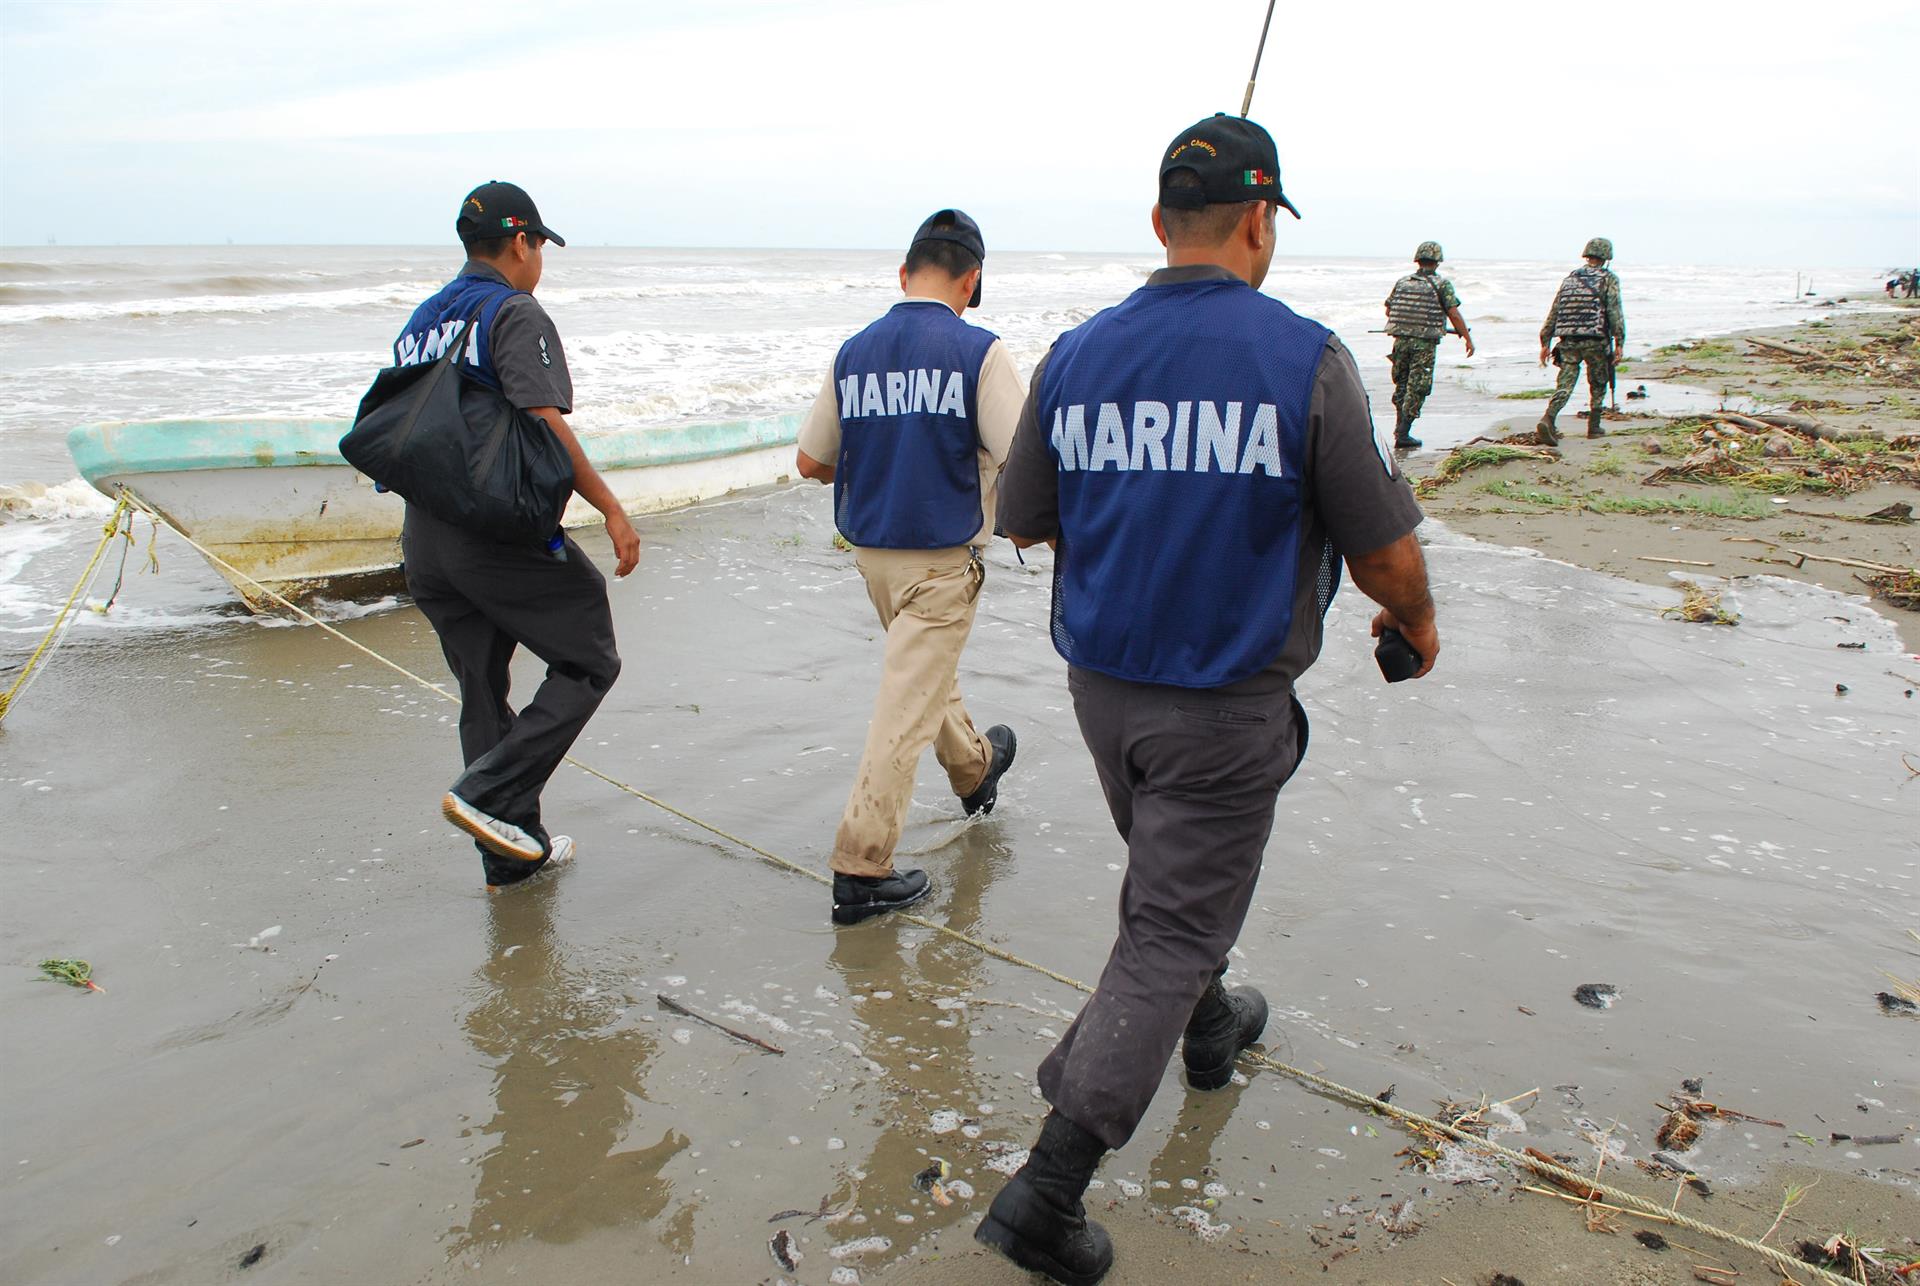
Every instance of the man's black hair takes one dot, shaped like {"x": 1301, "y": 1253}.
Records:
{"x": 1207, "y": 226}
{"x": 490, "y": 248}
{"x": 949, "y": 257}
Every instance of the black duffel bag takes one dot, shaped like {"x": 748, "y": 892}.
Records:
{"x": 460, "y": 450}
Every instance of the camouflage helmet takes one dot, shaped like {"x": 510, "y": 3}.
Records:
{"x": 1599, "y": 248}
{"x": 1428, "y": 250}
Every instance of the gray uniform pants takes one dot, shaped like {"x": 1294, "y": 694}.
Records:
{"x": 1191, "y": 777}
{"x": 484, "y": 599}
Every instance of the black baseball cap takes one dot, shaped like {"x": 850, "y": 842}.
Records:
{"x": 1235, "y": 160}
{"x": 958, "y": 227}
{"x": 496, "y": 209}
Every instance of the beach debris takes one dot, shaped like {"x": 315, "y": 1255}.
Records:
{"x": 1596, "y": 995}
{"x": 1899, "y": 586}
{"x": 1651, "y": 1239}
{"x": 1504, "y": 1279}
{"x": 785, "y": 1251}
{"x": 411, "y": 1143}
{"x": 1580, "y": 1190}
{"x": 1679, "y": 1131}
{"x": 1474, "y": 455}
{"x": 1841, "y": 689}
{"x": 1867, "y": 1140}
{"x": 1899, "y": 511}
{"x": 1700, "y": 607}
{"x": 933, "y": 1181}
{"x": 1652, "y": 445}
{"x": 1893, "y": 1004}
{"x": 1637, "y": 394}
{"x": 1855, "y": 647}
{"x": 254, "y": 1256}
{"x": 1840, "y": 1253}
{"x": 74, "y": 973}
{"x": 1792, "y": 1196}
{"x": 826, "y": 1209}
{"x": 673, "y": 1006}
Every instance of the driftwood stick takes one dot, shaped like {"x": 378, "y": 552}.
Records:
{"x": 673, "y": 1006}
{"x": 1677, "y": 562}
{"x": 1821, "y": 558}
{"x": 1778, "y": 346}
{"x": 1578, "y": 1189}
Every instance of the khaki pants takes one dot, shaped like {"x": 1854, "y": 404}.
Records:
{"x": 926, "y": 599}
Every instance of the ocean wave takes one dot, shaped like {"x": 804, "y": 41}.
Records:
{"x": 43, "y": 502}
{"x": 399, "y": 296}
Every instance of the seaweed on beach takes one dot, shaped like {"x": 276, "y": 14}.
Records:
{"x": 74, "y": 973}
{"x": 1889, "y": 357}
{"x": 1474, "y": 455}
{"x": 1780, "y": 455}
{"x": 1701, "y": 607}
{"x": 1900, "y": 588}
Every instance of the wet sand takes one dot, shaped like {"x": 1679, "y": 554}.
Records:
{"x": 322, "y": 1037}
{"x": 1558, "y": 506}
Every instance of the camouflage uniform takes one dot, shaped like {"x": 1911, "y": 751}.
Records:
{"x": 1594, "y": 352}
{"x": 1413, "y": 358}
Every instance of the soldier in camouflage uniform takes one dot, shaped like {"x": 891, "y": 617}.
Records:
{"x": 1591, "y": 326}
{"x": 1418, "y": 310}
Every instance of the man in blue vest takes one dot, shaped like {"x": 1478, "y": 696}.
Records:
{"x": 1202, "y": 459}
{"x": 911, "y": 428}
{"x": 486, "y": 597}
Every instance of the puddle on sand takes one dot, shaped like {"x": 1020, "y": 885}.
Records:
{"x": 1581, "y": 791}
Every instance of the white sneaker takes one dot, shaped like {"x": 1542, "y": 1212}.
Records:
{"x": 503, "y": 838}
{"x": 560, "y": 852}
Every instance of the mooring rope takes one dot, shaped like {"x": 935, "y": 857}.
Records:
{"x": 56, "y": 632}
{"x": 1579, "y": 1182}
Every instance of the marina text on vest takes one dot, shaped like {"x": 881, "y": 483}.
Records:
{"x": 916, "y": 392}
{"x": 1197, "y": 436}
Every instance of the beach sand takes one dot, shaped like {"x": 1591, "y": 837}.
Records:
{"x": 1569, "y": 507}
{"x": 325, "y": 1051}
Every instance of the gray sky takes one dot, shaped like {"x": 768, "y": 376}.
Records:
{"x": 1765, "y": 133}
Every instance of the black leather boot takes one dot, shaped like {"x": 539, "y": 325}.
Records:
{"x": 1403, "y": 433}
{"x": 1038, "y": 1220}
{"x": 859, "y": 897}
{"x": 1546, "y": 433}
{"x": 1593, "y": 423}
{"x": 1223, "y": 1023}
{"x": 1004, "y": 744}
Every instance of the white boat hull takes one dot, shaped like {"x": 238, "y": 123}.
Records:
{"x": 303, "y": 527}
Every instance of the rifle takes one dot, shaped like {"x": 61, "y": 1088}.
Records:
{"x": 1613, "y": 378}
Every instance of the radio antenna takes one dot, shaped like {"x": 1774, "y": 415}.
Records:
{"x": 1247, "y": 102}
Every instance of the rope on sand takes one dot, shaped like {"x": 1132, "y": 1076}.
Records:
{"x": 56, "y": 633}
{"x": 1779, "y": 1258}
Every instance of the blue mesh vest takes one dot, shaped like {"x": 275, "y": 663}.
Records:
{"x": 908, "y": 476}
{"x": 1177, "y": 421}
{"x": 436, "y": 325}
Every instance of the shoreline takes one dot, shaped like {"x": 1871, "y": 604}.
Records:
{"x": 1595, "y": 502}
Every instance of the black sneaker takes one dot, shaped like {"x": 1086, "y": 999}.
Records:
{"x": 1004, "y": 744}
{"x": 861, "y": 897}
